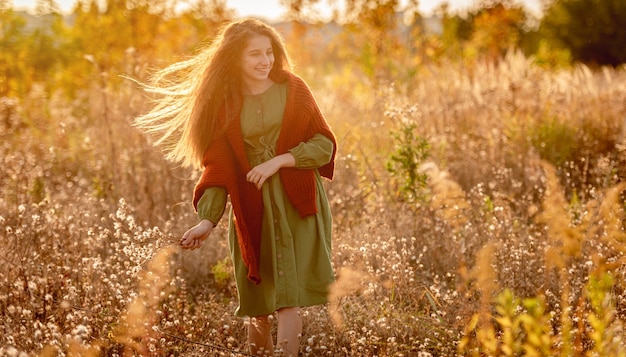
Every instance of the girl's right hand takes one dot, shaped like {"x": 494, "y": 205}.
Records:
{"x": 192, "y": 239}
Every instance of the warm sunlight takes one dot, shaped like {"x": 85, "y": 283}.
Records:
{"x": 271, "y": 9}
{"x": 274, "y": 178}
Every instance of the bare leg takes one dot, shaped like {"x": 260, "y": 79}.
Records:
{"x": 260, "y": 336}
{"x": 289, "y": 331}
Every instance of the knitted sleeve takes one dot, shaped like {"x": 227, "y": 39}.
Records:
{"x": 218, "y": 169}
{"x": 303, "y": 120}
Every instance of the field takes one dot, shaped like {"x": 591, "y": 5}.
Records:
{"x": 478, "y": 211}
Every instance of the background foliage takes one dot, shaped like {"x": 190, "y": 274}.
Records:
{"x": 478, "y": 203}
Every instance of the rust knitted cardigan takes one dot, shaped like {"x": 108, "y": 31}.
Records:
{"x": 226, "y": 164}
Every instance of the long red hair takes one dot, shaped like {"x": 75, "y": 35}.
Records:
{"x": 191, "y": 93}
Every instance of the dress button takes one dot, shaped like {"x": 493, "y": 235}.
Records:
{"x": 277, "y": 238}
{"x": 280, "y": 273}
{"x": 279, "y": 256}
{"x": 258, "y": 111}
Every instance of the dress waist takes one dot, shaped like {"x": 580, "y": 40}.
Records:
{"x": 262, "y": 152}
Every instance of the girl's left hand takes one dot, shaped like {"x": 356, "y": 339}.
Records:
{"x": 260, "y": 173}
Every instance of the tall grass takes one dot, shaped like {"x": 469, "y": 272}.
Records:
{"x": 515, "y": 247}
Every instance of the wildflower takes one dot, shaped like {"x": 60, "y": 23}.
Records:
{"x": 12, "y": 351}
{"x": 81, "y": 333}
{"x": 32, "y": 285}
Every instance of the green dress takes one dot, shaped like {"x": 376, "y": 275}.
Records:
{"x": 295, "y": 263}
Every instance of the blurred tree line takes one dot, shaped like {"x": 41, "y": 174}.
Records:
{"x": 95, "y": 44}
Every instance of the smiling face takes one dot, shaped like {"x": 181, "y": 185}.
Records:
{"x": 257, "y": 60}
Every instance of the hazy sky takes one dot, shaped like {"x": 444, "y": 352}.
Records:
{"x": 271, "y": 9}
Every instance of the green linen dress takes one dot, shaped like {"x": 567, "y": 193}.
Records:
{"x": 295, "y": 264}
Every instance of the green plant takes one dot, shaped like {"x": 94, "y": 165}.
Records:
{"x": 222, "y": 272}
{"x": 555, "y": 141}
{"x": 521, "y": 327}
{"x": 411, "y": 152}
{"x": 605, "y": 327}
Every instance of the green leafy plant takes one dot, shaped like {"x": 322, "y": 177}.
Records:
{"x": 605, "y": 329}
{"x": 520, "y": 327}
{"x": 411, "y": 151}
{"x": 222, "y": 272}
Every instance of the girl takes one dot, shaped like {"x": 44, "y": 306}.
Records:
{"x": 237, "y": 111}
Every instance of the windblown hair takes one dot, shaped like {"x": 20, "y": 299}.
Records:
{"x": 191, "y": 93}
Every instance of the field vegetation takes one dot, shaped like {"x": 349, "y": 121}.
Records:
{"x": 479, "y": 199}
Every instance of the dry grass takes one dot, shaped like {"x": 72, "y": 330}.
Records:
{"x": 525, "y": 193}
